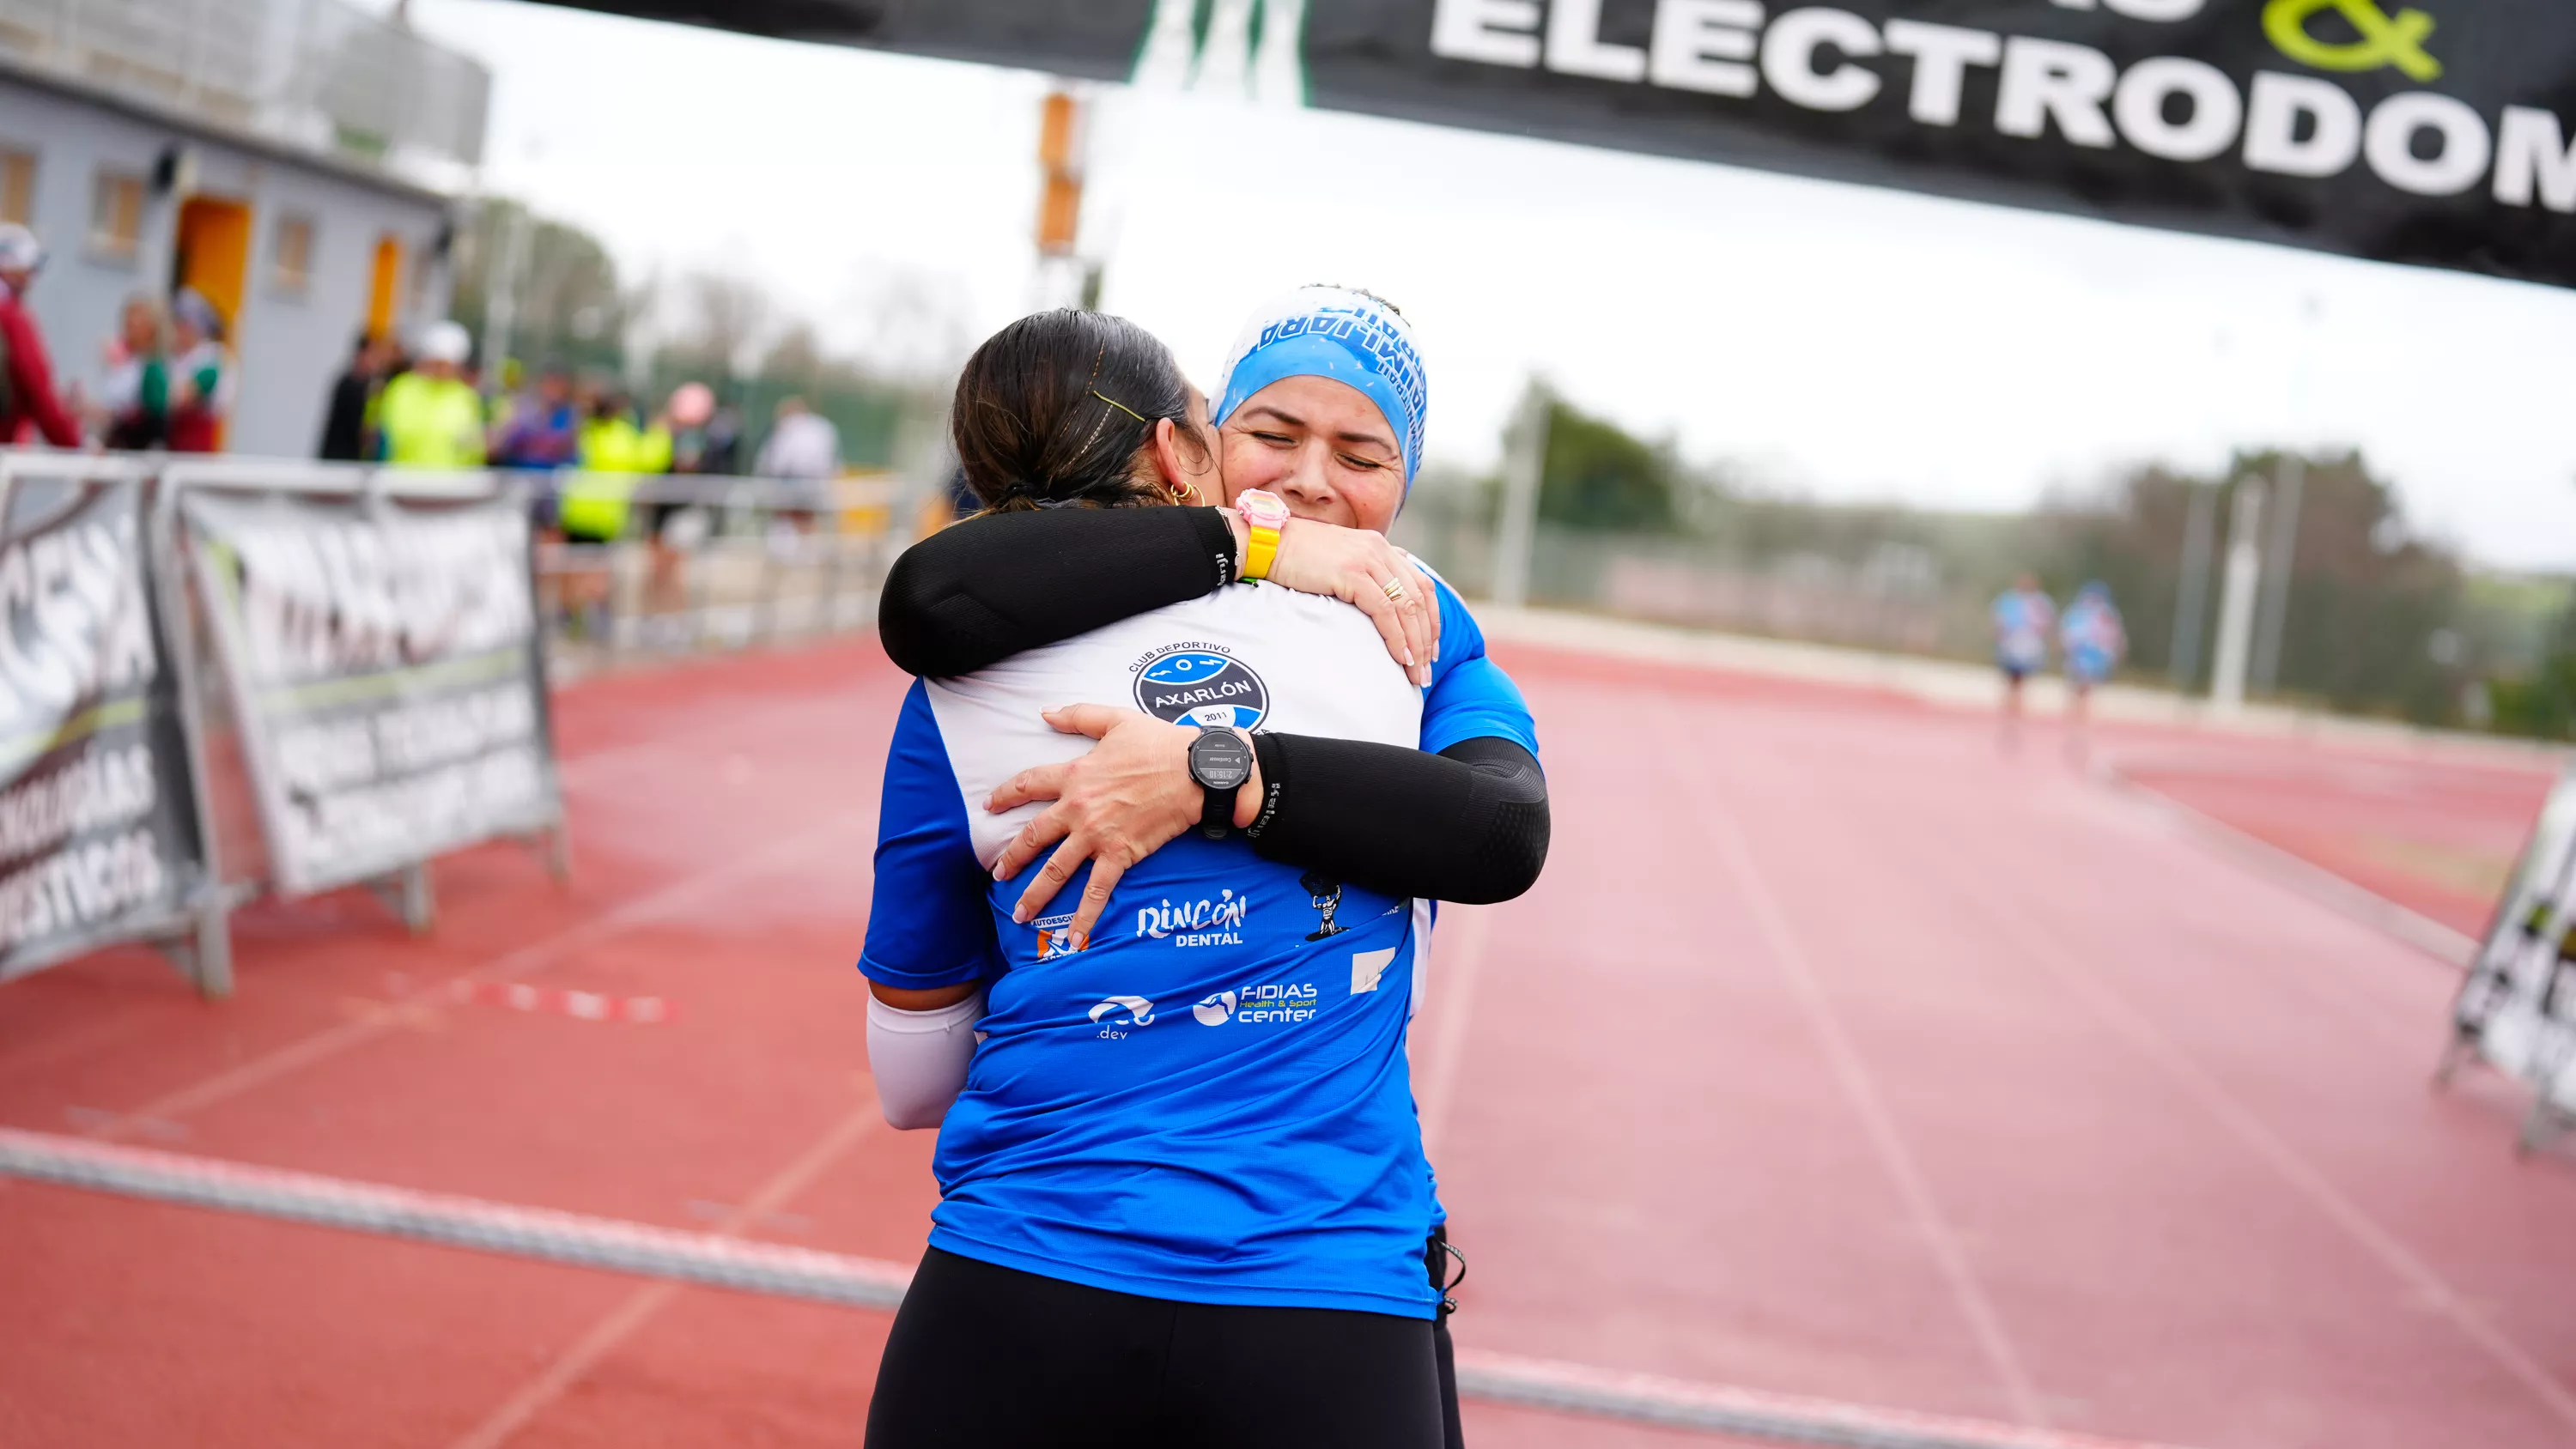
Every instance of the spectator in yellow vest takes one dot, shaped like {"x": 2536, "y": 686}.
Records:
{"x": 615, "y": 453}
{"x": 430, "y": 416}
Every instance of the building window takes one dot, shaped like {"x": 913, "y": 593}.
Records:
{"x": 18, "y": 187}
{"x": 116, "y": 216}
{"x": 291, "y": 254}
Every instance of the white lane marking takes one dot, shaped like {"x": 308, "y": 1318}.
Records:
{"x": 1788, "y": 952}
{"x": 626, "y": 915}
{"x": 2047, "y": 949}
{"x": 719, "y": 1260}
{"x": 1462, "y": 960}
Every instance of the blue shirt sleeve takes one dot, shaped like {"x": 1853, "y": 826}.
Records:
{"x": 930, "y": 920}
{"x": 1470, "y": 697}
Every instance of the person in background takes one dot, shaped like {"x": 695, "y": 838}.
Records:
{"x": 2024, "y": 618}
{"x": 134, "y": 405}
{"x": 2094, "y": 643}
{"x": 804, "y": 449}
{"x": 680, "y": 522}
{"x": 802, "y": 444}
{"x": 597, "y": 500}
{"x": 28, "y": 403}
{"x": 543, "y": 432}
{"x": 201, "y": 387}
{"x": 706, "y": 440}
{"x": 612, "y": 441}
{"x": 347, "y": 424}
{"x": 430, "y": 417}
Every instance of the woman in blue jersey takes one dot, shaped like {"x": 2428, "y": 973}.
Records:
{"x": 1323, "y": 403}
{"x": 1182, "y": 1189}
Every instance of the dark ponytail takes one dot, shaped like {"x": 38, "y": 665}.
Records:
{"x": 1059, "y": 408}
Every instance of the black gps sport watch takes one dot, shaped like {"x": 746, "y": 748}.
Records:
{"x": 1221, "y": 761}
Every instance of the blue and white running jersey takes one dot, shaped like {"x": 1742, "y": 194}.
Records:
{"x": 1209, "y": 1102}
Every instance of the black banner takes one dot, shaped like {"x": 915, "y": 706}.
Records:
{"x": 98, "y": 828}
{"x": 2443, "y": 135}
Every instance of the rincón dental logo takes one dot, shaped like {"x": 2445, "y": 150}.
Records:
{"x": 1200, "y": 684}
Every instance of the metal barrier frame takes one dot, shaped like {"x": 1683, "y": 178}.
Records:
{"x": 195, "y": 935}
{"x": 754, "y": 500}
{"x": 407, "y": 891}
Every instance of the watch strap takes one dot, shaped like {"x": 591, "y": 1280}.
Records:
{"x": 1216, "y": 817}
{"x": 1260, "y": 550}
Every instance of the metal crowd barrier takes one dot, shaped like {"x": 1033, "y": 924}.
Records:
{"x": 132, "y": 804}
{"x": 708, "y": 562}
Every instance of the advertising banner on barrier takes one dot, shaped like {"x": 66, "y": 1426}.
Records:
{"x": 2436, "y": 132}
{"x": 383, "y": 662}
{"x": 2518, "y": 1004}
{"x": 99, "y": 838}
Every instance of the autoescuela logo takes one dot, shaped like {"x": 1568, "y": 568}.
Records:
{"x": 1202, "y": 684}
{"x": 1056, "y": 937}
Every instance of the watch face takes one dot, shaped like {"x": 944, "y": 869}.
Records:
{"x": 1220, "y": 760}
{"x": 1262, "y": 508}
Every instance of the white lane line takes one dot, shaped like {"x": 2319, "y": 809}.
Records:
{"x": 1789, "y": 953}
{"x": 460, "y": 1222}
{"x": 1460, "y": 959}
{"x": 533, "y": 1397}
{"x": 625, "y": 916}
{"x": 720, "y": 1261}
{"x": 1741, "y": 1413}
{"x": 2043, "y": 946}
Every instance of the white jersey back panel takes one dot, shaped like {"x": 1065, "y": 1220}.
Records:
{"x": 1256, "y": 656}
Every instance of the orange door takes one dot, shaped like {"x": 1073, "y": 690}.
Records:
{"x": 214, "y": 252}
{"x": 384, "y": 286}
{"x": 214, "y": 259}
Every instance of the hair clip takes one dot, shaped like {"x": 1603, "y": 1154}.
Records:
{"x": 1122, "y": 407}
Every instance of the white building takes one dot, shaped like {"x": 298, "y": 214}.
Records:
{"x": 297, "y": 161}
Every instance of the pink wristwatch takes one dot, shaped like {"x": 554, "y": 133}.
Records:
{"x": 1263, "y": 516}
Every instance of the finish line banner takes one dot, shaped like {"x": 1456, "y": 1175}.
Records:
{"x": 2518, "y": 1004}
{"x": 2438, "y": 135}
{"x": 98, "y": 827}
{"x": 383, "y": 663}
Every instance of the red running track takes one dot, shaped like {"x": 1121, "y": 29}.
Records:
{"x": 1837, "y": 1055}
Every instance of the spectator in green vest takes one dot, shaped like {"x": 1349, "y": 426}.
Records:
{"x": 615, "y": 455}
{"x": 430, "y": 417}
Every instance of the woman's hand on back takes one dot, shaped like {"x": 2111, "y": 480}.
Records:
{"x": 1355, "y": 566}
{"x": 1114, "y": 806}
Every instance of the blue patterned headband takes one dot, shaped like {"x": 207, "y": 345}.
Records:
{"x": 1350, "y": 337}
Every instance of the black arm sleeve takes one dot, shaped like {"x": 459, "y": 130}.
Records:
{"x": 981, "y": 591}
{"x": 1468, "y": 824}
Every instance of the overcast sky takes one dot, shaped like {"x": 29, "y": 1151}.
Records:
{"x": 1846, "y": 342}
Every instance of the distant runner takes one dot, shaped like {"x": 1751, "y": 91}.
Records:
{"x": 2024, "y": 618}
{"x": 2094, "y": 643}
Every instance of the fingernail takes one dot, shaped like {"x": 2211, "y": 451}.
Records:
{"x": 1082, "y": 940}
{"x": 1408, "y": 659}
{"x": 1019, "y": 915}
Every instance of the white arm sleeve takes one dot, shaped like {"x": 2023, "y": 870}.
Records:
{"x": 919, "y": 1058}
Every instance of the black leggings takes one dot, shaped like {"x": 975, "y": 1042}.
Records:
{"x": 990, "y": 1356}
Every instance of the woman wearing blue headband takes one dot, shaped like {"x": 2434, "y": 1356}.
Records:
{"x": 1322, "y": 408}
{"x": 1323, "y": 405}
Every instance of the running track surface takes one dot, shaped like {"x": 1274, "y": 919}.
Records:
{"x": 1838, "y": 1054}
